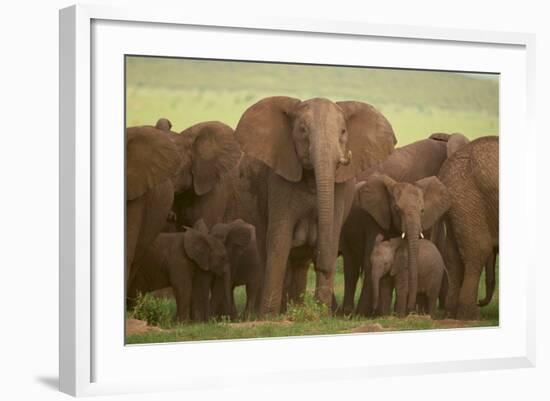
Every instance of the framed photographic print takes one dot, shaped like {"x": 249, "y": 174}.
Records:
{"x": 266, "y": 197}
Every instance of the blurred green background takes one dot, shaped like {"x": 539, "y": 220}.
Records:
{"x": 416, "y": 103}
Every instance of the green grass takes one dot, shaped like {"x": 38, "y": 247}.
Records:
{"x": 307, "y": 319}
{"x": 416, "y": 103}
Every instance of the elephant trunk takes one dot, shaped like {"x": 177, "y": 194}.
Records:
{"x": 324, "y": 176}
{"x": 413, "y": 233}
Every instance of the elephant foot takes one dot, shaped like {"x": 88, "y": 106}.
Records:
{"x": 467, "y": 312}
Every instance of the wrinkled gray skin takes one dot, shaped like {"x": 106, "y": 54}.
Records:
{"x": 472, "y": 225}
{"x": 300, "y": 166}
{"x": 188, "y": 262}
{"x": 408, "y": 164}
{"x": 389, "y": 259}
{"x": 239, "y": 238}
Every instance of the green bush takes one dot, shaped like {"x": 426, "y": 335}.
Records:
{"x": 309, "y": 310}
{"x": 155, "y": 311}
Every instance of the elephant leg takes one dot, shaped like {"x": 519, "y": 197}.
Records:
{"x": 252, "y": 295}
{"x": 287, "y": 288}
{"x": 182, "y": 293}
{"x": 364, "y": 304}
{"x": 431, "y": 304}
{"x": 385, "y": 296}
{"x": 200, "y": 302}
{"x": 299, "y": 280}
{"x": 218, "y": 297}
{"x": 474, "y": 251}
{"x": 455, "y": 273}
{"x": 443, "y": 291}
{"x": 421, "y": 304}
{"x": 234, "y": 312}
{"x": 134, "y": 218}
{"x": 489, "y": 279}
{"x": 467, "y": 306}
{"x": 352, "y": 267}
{"x": 279, "y": 240}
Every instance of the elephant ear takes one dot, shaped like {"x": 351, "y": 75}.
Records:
{"x": 215, "y": 151}
{"x": 370, "y": 138}
{"x": 239, "y": 235}
{"x": 197, "y": 248}
{"x": 374, "y": 198}
{"x": 265, "y": 133}
{"x": 437, "y": 200}
{"x": 151, "y": 159}
{"x": 455, "y": 142}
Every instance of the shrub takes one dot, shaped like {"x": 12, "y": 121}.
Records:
{"x": 309, "y": 310}
{"x": 155, "y": 311}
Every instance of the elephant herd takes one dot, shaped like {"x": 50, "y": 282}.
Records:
{"x": 300, "y": 183}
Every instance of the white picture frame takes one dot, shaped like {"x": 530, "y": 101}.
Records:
{"x": 93, "y": 358}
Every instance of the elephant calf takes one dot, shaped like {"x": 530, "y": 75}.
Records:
{"x": 246, "y": 269}
{"x": 391, "y": 258}
{"x": 188, "y": 262}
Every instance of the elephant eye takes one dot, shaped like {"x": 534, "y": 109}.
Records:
{"x": 343, "y": 136}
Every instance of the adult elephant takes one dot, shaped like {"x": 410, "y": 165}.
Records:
{"x": 472, "y": 226}
{"x": 378, "y": 214}
{"x": 302, "y": 159}
{"x": 154, "y": 171}
{"x": 213, "y": 154}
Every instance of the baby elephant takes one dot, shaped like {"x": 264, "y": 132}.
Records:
{"x": 188, "y": 262}
{"x": 246, "y": 269}
{"x": 390, "y": 258}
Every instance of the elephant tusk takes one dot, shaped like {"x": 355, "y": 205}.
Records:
{"x": 402, "y": 235}
{"x": 344, "y": 161}
{"x": 421, "y": 235}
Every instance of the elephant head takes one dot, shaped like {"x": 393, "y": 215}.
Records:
{"x": 236, "y": 237}
{"x": 383, "y": 262}
{"x": 409, "y": 208}
{"x": 205, "y": 250}
{"x": 211, "y": 150}
{"x": 332, "y": 141}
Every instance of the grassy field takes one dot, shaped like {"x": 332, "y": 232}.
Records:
{"x": 307, "y": 319}
{"x": 417, "y": 103}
